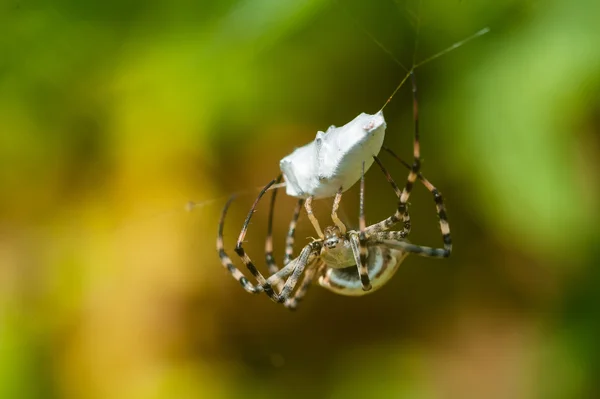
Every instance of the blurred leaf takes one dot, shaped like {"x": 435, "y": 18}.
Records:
{"x": 524, "y": 103}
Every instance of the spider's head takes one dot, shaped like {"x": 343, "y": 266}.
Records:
{"x": 333, "y": 236}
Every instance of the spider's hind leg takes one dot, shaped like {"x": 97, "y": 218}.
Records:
{"x": 441, "y": 212}
{"x": 363, "y": 251}
{"x": 401, "y": 213}
{"x": 412, "y": 248}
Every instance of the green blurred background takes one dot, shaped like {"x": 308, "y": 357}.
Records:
{"x": 114, "y": 114}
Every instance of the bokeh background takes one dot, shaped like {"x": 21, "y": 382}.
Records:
{"x": 114, "y": 114}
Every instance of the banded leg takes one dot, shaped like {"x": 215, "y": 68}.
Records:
{"x": 239, "y": 249}
{"x": 336, "y": 204}
{"x": 412, "y": 175}
{"x": 289, "y": 247}
{"x": 271, "y": 264}
{"x": 311, "y": 216}
{"x": 416, "y": 166}
{"x": 412, "y": 248}
{"x": 273, "y": 268}
{"x": 363, "y": 251}
{"x": 439, "y": 204}
{"x": 401, "y": 211}
{"x": 293, "y": 270}
{"x": 292, "y": 303}
{"x": 306, "y": 257}
{"x": 226, "y": 261}
{"x": 289, "y": 241}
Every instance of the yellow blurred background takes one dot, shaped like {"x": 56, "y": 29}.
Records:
{"x": 114, "y": 114}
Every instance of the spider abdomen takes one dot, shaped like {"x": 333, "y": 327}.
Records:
{"x": 382, "y": 264}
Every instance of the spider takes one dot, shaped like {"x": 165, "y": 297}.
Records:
{"x": 348, "y": 262}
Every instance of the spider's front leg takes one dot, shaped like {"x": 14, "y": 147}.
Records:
{"x": 336, "y": 205}
{"x": 292, "y": 303}
{"x": 293, "y": 270}
{"x": 439, "y": 206}
{"x": 311, "y": 216}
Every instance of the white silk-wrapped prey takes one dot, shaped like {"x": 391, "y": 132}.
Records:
{"x": 334, "y": 159}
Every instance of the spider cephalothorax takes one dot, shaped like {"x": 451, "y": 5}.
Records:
{"x": 351, "y": 262}
{"x": 337, "y": 247}
{"x": 333, "y": 236}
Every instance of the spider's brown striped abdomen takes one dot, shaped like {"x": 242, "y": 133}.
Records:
{"x": 382, "y": 263}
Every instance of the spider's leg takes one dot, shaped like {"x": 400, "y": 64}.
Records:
{"x": 289, "y": 241}
{"x": 412, "y": 248}
{"x": 401, "y": 211}
{"x": 311, "y": 216}
{"x": 416, "y": 166}
{"x": 292, "y": 303}
{"x": 294, "y": 270}
{"x": 439, "y": 205}
{"x": 307, "y": 256}
{"x": 226, "y": 261}
{"x": 271, "y": 264}
{"x": 362, "y": 249}
{"x": 279, "y": 278}
{"x": 239, "y": 249}
{"x": 336, "y": 204}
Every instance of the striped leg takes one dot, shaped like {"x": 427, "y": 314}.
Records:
{"x": 273, "y": 268}
{"x": 289, "y": 242}
{"x": 311, "y": 216}
{"x": 401, "y": 213}
{"x": 239, "y": 249}
{"x": 439, "y": 204}
{"x": 271, "y": 264}
{"x": 293, "y": 270}
{"x": 226, "y": 261}
{"x": 363, "y": 252}
{"x": 412, "y": 248}
{"x": 292, "y": 303}
{"x": 412, "y": 175}
{"x": 336, "y": 204}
